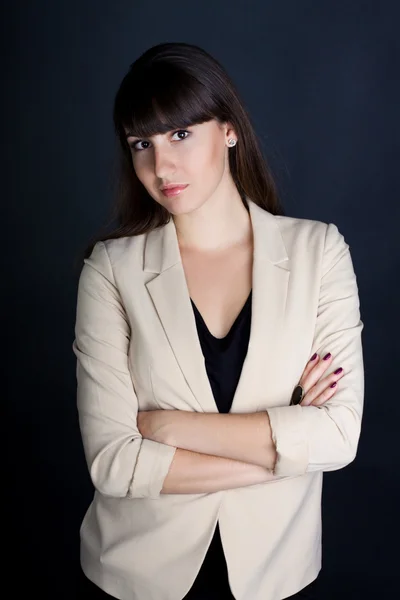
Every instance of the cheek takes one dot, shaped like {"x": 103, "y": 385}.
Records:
{"x": 206, "y": 162}
{"x": 143, "y": 172}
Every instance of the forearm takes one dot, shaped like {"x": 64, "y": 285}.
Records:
{"x": 197, "y": 473}
{"x": 240, "y": 437}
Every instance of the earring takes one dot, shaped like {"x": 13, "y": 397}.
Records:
{"x": 232, "y": 142}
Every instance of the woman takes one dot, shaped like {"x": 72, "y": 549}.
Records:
{"x": 199, "y": 319}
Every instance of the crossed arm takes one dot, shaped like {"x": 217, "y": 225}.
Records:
{"x": 244, "y": 437}
{"x": 214, "y": 451}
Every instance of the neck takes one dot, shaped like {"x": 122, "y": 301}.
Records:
{"x": 219, "y": 224}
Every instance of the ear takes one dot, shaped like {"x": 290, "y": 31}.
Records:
{"x": 230, "y": 131}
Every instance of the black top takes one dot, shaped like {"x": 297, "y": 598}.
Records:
{"x": 223, "y": 360}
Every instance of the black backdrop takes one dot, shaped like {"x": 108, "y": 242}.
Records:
{"x": 321, "y": 81}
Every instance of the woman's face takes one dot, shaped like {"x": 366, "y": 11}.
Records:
{"x": 196, "y": 156}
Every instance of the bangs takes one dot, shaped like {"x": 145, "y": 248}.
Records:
{"x": 163, "y": 99}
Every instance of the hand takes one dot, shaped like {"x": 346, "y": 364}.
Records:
{"x": 153, "y": 424}
{"x": 317, "y": 390}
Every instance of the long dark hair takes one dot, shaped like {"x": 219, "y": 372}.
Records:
{"x": 173, "y": 86}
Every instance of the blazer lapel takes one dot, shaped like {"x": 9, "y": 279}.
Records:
{"x": 170, "y": 295}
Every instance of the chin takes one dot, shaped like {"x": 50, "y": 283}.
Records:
{"x": 179, "y": 205}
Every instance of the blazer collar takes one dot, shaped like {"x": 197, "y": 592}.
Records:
{"x": 170, "y": 295}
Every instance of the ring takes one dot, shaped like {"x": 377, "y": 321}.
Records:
{"x": 297, "y": 396}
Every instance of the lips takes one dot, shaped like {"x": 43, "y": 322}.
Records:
{"x": 173, "y": 191}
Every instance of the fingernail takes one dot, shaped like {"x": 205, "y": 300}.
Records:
{"x": 314, "y": 356}
{"x": 338, "y": 371}
{"x": 333, "y": 384}
{"x": 327, "y": 356}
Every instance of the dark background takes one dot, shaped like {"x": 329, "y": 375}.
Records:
{"x": 321, "y": 81}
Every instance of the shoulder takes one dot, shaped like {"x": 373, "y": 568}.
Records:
{"x": 322, "y": 243}
{"x": 311, "y": 231}
{"x": 111, "y": 255}
{"x": 120, "y": 248}
{"x": 116, "y": 249}
{"x": 294, "y": 226}
{"x": 319, "y": 242}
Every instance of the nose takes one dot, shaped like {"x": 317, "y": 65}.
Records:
{"x": 164, "y": 163}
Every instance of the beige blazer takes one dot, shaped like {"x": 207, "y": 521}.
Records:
{"x": 137, "y": 349}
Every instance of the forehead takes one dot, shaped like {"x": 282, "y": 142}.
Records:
{"x": 131, "y": 133}
{"x": 166, "y": 129}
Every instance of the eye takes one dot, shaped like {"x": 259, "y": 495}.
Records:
{"x": 182, "y": 131}
{"x": 133, "y": 145}
{"x": 135, "y": 148}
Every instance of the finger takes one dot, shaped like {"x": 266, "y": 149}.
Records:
{"x": 309, "y": 397}
{"x": 328, "y": 391}
{"x": 322, "y": 390}
{"x": 324, "y": 396}
{"x": 310, "y": 365}
{"x": 315, "y": 374}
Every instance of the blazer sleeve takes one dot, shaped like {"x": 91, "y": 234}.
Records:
{"x": 325, "y": 438}
{"x": 121, "y": 463}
